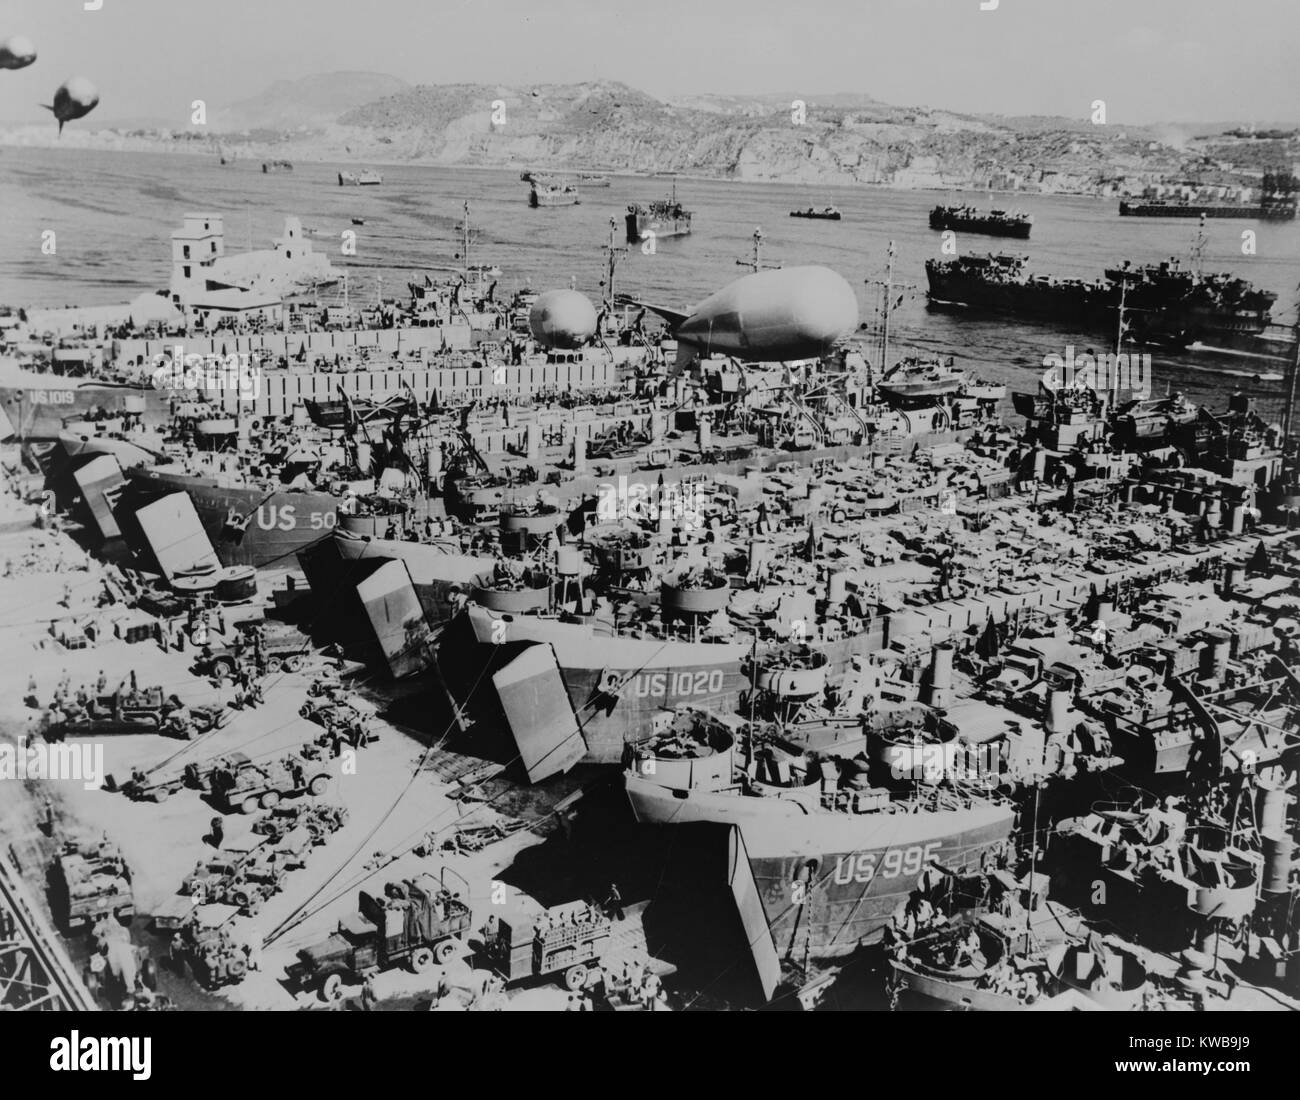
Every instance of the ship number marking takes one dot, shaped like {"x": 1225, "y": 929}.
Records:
{"x": 897, "y": 861}
{"x": 271, "y": 517}
{"x": 706, "y": 682}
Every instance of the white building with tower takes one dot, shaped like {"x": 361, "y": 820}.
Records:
{"x": 200, "y": 265}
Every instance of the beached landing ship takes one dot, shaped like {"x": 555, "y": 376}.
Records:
{"x": 833, "y": 857}
{"x": 994, "y": 223}
{"x": 828, "y": 213}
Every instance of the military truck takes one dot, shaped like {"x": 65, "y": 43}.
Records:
{"x": 245, "y": 785}
{"x": 318, "y": 820}
{"x": 267, "y": 647}
{"x": 144, "y": 711}
{"x": 245, "y": 880}
{"x": 90, "y": 880}
{"x": 198, "y": 774}
{"x": 417, "y": 921}
{"x": 204, "y": 943}
{"x": 565, "y": 942}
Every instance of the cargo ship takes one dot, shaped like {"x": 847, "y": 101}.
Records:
{"x": 993, "y": 223}
{"x": 1279, "y": 210}
{"x": 832, "y": 856}
{"x": 664, "y": 218}
{"x": 1157, "y": 299}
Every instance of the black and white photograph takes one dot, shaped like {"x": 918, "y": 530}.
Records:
{"x": 728, "y": 507}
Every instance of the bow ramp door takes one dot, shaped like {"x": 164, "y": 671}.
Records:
{"x": 547, "y": 733}
{"x": 98, "y": 480}
{"x": 753, "y": 918}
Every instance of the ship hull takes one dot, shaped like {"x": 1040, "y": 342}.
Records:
{"x": 640, "y": 226}
{"x": 651, "y": 675}
{"x": 861, "y": 866}
{"x": 279, "y": 523}
{"x": 37, "y": 408}
{"x": 538, "y": 199}
{"x": 1090, "y": 305}
{"x": 981, "y": 225}
{"x": 436, "y": 574}
{"x": 1178, "y": 210}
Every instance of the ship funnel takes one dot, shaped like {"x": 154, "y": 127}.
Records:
{"x": 941, "y": 676}
{"x": 1215, "y": 655}
{"x": 1058, "y": 711}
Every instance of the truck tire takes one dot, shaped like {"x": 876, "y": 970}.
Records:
{"x": 223, "y": 669}
{"x": 420, "y": 959}
{"x": 444, "y": 951}
{"x": 575, "y": 977}
{"x": 331, "y": 987}
{"x": 319, "y": 784}
{"x": 249, "y": 804}
{"x": 160, "y": 794}
{"x": 293, "y": 663}
{"x": 305, "y": 710}
{"x": 270, "y": 800}
{"x": 274, "y": 665}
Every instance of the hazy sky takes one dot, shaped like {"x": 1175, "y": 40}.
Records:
{"x": 1150, "y": 60}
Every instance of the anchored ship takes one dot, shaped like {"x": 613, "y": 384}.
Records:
{"x": 829, "y": 213}
{"x": 552, "y": 194}
{"x": 1157, "y": 299}
{"x": 994, "y": 223}
{"x": 664, "y": 218}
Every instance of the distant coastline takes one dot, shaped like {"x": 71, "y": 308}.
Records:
{"x": 301, "y": 151}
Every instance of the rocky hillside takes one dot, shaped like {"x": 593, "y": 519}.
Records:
{"x": 313, "y": 101}
{"x": 842, "y": 138}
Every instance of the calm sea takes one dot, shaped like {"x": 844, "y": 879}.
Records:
{"x": 112, "y": 213}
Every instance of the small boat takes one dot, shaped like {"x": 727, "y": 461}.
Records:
{"x": 828, "y": 213}
{"x": 358, "y": 221}
{"x": 593, "y": 181}
{"x": 939, "y": 966}
{"x": 1115, "y": 980}
{"x": 363, "y": 179}
{"x": 553, "y": 195}
{"x": 277, "y": 166}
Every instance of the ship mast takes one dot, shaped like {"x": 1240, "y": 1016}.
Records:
{"x": 756, "y": 264}
{"x": 464, "y": 241}
{"x": 887, "y": 285}
{"x": 1292, "y": 375}
{"x": 612, "y": 252}
{"x": 1198, "y": 249}
{"x": 1119, "y": 342}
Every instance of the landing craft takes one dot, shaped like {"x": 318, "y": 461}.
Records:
{"x": 563, "y": 319}
{"x": 16, "y": 52}
{"x": 770, "y": 316}
{"x": 75, "y": 99}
